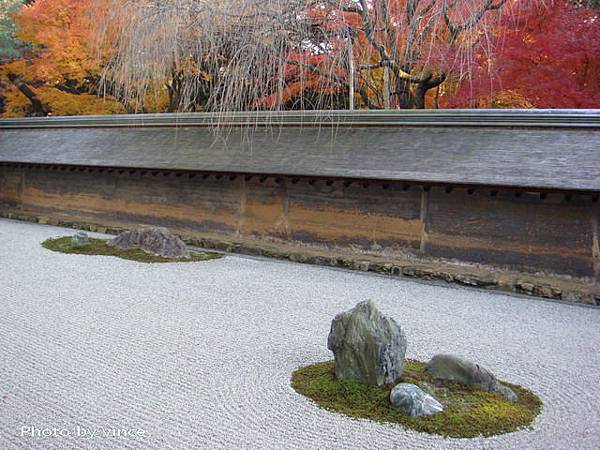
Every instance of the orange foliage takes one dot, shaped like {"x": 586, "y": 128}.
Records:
{"x": 64, "y": 63}
{"x": 60, "y": 30}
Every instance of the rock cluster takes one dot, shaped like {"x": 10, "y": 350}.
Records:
{"x": 368, "y": 346}
{"x": 156, "y": 241}
{"x": 454, "y": 368}
{"x": 412, "y": 400}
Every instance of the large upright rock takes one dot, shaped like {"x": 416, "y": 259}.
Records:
{"x": 156, "y": 241}
{"x": 368, "y": 346}
{"x": 454, "y": 368}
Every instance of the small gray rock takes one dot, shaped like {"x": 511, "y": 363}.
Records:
{"x": 412, "y": 400}
{"x": 156, "y": 241}
{"x": 80, "y": 239}
{"x": 368, "y": 346}
{"x": 454, "y": 368}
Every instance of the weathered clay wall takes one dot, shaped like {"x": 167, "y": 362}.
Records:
{"x": 529, "y": 232}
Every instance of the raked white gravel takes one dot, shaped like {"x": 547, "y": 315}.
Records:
{"x": 200, "y": 354}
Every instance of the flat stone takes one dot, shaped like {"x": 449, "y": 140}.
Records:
{"x": 547, "y": 291}
{"x": 412, "y": 400}
{"x": 473, "y": 280}
{"x": 368, "y": 346}
{"x": 80, "y": 239}
{"x": 525, "y": 286}
{"x": 363, "y": 265}
{"x": 156, "y": 241}
{"x": 455, "y": 368}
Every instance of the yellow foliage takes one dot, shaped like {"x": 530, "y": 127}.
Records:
{"x": 510, "y": 99}
{"x": 156, "y": 103}
{"x": 156, "y": 100}
{"x": 20, "y": 67}
{"x": 61, "y": 103}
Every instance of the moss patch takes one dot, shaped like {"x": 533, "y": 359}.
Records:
{"x": 467, "y": 412}
{"x": 99, "y": 247}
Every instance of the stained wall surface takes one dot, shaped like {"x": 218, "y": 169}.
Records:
{"x": 525, "y": 231}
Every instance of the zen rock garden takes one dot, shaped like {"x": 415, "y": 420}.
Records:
{"x": 370, "y": 357}
{"x": 131, "y": 320}
{"x": 370, "y": 376}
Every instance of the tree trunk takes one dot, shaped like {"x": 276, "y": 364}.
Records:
{"x": 420, "y": 93}
{"x": 38, "y": 108}
{"x": 386, "y": 88}
{"x": 406, "y": 99}
{"x": 423, "y": 86}
{"x": 174, "y": 90}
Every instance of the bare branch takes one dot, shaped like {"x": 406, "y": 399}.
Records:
{"x": 455, "y": 30}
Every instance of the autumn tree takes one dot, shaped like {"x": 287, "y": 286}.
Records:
{"x": 241, "y": 53}
{"x": 547, "y": 56}
{"x": 208, "y": 55}
{"x": 398, "y": 50}
{"x": 58, "y": 73}
{"x": 10, "y": 45}
{"x": 202, "y": 55}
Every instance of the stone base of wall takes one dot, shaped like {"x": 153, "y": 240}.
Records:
{"x": 539, "y": 285}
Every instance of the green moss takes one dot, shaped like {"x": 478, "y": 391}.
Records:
{"x": 467, "y": 412}
{"x": 99, "y": 247}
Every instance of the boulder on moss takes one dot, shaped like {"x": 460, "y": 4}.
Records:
{"x": 80, "y": 239}
{"x": 157, "y": 241}
{"x": 368, "y": 347}
{"x": 455, "y": 368}
{"x": 412, "y": 400}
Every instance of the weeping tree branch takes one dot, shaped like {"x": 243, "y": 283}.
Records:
{"x": 456, "y": 30}
{"x": 338, "y": 79}
{"x": 245, "y": 47}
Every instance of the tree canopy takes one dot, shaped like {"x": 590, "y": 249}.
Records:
{"x": 57, "y": 68}
{"x": 546, "y": 56}
{"x": 110, "y": 56}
